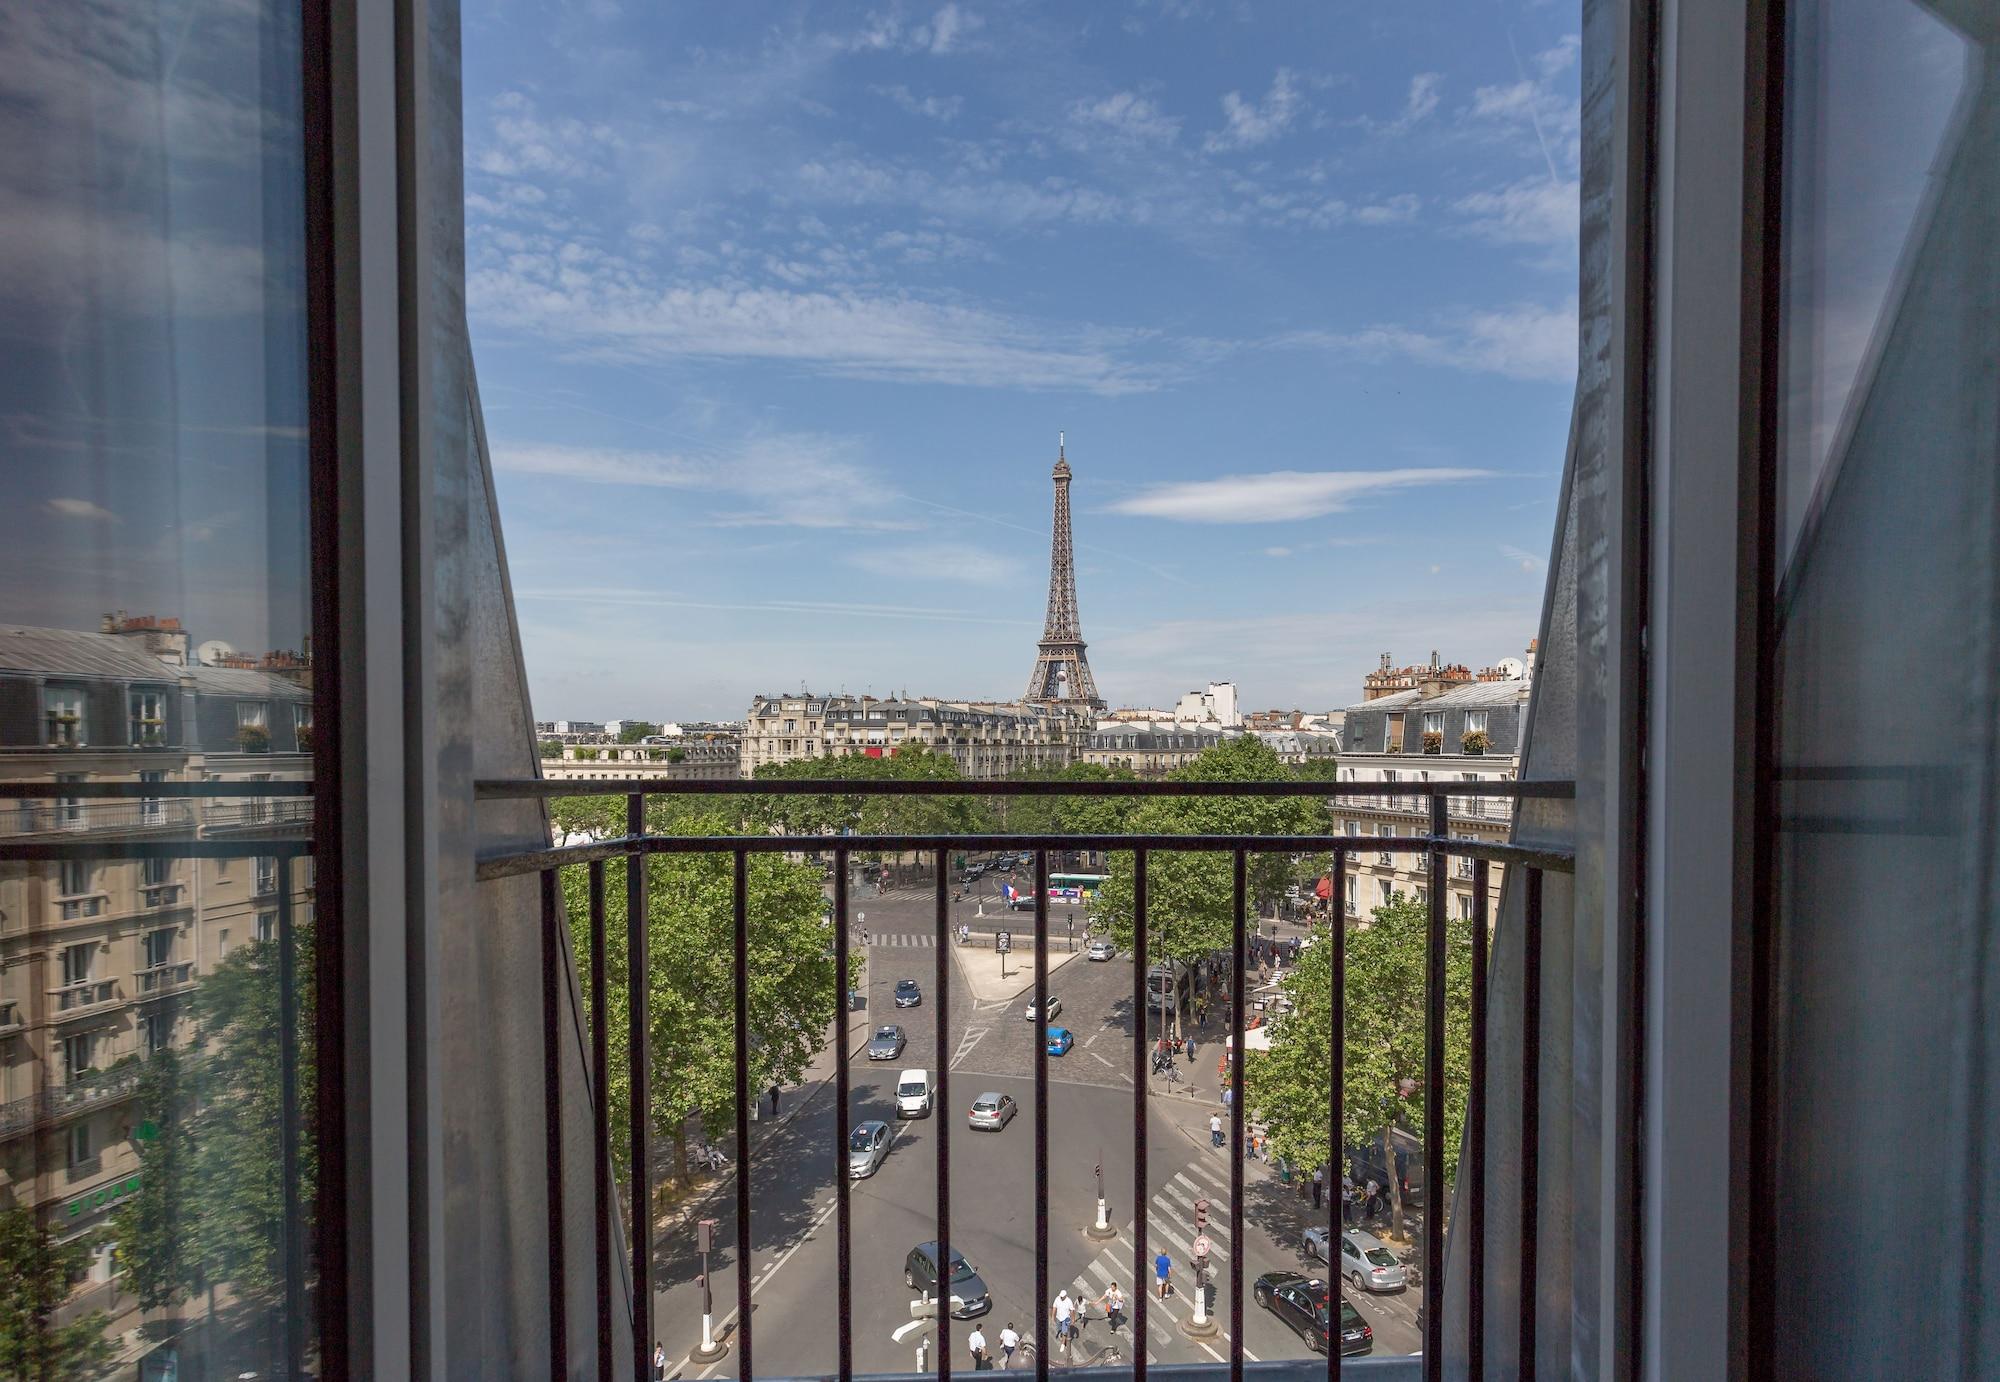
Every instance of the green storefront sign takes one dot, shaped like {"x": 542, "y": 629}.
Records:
{"x": 104, "y": 1194}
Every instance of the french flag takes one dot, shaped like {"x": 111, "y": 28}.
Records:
{"x": 1008, "y": 890}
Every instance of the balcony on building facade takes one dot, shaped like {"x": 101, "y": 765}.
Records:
{"x": 64, "y": 817}
{"x": 86, "y": 1091}
{"x": 82, "y": 998}
{"x": 170, "y": 977}
{"x": 11, "y": 1020}
{"x": 284, "y": 815}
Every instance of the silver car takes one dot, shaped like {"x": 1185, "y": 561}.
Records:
{"x": 1055, "y": 1006}
{"x": 1365, "y": 1260}
{"x": 867, "y": 1144}
{"x": 887, "y": 1043}
{"x": 991, "y": 1112}
{"x": 1101, "y": 948}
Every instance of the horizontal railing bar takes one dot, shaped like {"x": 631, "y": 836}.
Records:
{"x": 513, "y": 863}
{"x": 285, "y": 787}
{"x": 53, "y": 851}
{"x": 507, "y": 789}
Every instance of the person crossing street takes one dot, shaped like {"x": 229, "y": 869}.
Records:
{"x": 1215, "y": 1128}
{"x": 975, "y": 1342}
{"x": 1010, "y": 1339}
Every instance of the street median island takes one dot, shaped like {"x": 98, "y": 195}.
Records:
{"x": 981, "y": 964}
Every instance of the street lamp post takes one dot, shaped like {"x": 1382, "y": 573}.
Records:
{"x": 1102, "y": 1228}
{"x": 708, "y": 1350}
{"x": 1201, "y": 1324}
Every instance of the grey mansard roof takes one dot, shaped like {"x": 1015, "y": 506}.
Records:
{"x": 74, "y": 653}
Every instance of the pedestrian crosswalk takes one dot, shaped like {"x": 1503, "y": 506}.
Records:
{"x": 1169, "y": 1225}
{"x": 902, "y": 940}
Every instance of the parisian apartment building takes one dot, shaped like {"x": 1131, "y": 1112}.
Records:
{"x": 1423, "y": 724}
{"x": 986, "y": 739}
{"x": 98, "y": 959}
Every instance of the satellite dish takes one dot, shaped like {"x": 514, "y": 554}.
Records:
{"x": 212, "y": 652}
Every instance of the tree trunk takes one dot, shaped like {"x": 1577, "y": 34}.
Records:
{"x": 1395, "y": 1187}
{"x": 681, "y": 1155}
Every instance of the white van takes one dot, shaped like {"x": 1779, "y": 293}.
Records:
{"x": 913, "y": 1094}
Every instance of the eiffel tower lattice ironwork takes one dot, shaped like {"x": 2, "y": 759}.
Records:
{"x": 1062, "y": 673}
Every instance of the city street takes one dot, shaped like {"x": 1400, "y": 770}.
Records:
{"x": 991, "y": 1045}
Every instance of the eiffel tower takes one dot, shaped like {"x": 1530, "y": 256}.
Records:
{"x": 1062, "y": 674}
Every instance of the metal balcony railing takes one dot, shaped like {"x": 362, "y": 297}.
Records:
{"x": 1437, "y": 846}
{"x": 64, "y": 817}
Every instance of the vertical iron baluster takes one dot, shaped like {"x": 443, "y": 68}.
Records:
{"x": 843, "y": 1231}
{"x": 600, "y": 1117}
{"x": 1240, "y": 887}
{"x": 1336, "y": 937}
{"x": 742, "y": 974}
{"x": 1041, "y": 1301}
{"x": 1531, "y": 1111}
{"x": 552, "y": 969}
{"x": 1434, "y": 1000}
{"x": 292, "y": 1227}
{"x": 1141, "y": 1075}
{"x": 1475, "y": 1142}
{"x": 941, "y": 1130}
{"x": 638, "y": 1037}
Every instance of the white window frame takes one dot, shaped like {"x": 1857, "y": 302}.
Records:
{"x": 146, "y": 713}
{"x": 256, "y": 713}
{"x": 71, "y": 814}
{"x": 77, "y": 1145}
{"x": 266, "y": 878}
{"x": 73, "y": 878}
{"x": 1475, "y": 722}
{"x": 267, "y": 925}
{"x": 1434, "y": 722}
{"x": 80, "y": 956}
{"x": 152, "y": 810}
{"x": 76, "y": 1066}
{"x": 147, "y": 946}
{"x": 70, "y": 706}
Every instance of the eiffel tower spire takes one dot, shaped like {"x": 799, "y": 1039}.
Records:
{"x": 1062, "y": 674}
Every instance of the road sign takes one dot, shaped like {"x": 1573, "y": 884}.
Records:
{"x": 1201, "y": 1247}
{"x": 1003, "y": 940}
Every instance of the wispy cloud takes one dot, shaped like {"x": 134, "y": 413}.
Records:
{"x": 1127, "y": 115}
{"x": 1528, "y": 560}
{"x": 1280, "y": 495}
{"x": 84, "y": 509}
{"x": 1418, "y": 104}
{"x": 1527, "y": 341}
{"x": 791, "y": 480}
{"x": 924, "y": 562}
{"x": 655, "y": 599}
{"x": 1533, "y": 211}
{"x": 1246, "y": 125}
{"x": 943, "y": 108}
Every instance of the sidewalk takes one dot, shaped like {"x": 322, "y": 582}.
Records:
{"x": 792, "y": 1102}
{"x": 980, "y": 966}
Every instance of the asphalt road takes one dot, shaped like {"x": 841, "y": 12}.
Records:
{"x": 794, "y": 1319}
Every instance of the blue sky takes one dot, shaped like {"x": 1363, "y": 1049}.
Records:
{"x": 778, "y": 309}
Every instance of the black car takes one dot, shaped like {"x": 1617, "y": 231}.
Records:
{"x": 1301, "y": 1302}
{"x": 908, "y": 995}
{"x": 920, "y": 1274}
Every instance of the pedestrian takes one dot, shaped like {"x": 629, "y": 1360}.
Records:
{"x": 1215, "y": 1128}
{"x": 774, "y": 1101}
{"x": 976, "y": 1342}
{"x": 659, "y": 1361}
{"x": 1113, "y": 1301}
{"x": 1227, "y": 1095}
{"x": 1162, "y": 1265}
{"x": 1010, "y": 1339}
{"x": 1190, "y": 1048}
{"x": 1063, "y": 1311}
{"x": 1318, "y": 1186}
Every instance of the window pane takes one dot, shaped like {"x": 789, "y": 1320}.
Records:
{"x": 154, "y": 492}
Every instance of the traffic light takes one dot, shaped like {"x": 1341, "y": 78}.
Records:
{"x": 1201, "y": 1212}
{"x": 704, "y": 1235}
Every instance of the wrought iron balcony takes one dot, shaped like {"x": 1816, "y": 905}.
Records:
{"x": 68, "y": 816}
{"x": 1437, "y": 847}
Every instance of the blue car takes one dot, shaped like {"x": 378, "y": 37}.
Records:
{"x": 1060, "y": 1041}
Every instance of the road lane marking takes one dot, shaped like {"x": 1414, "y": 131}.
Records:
{"x": 1107, "y": 1064}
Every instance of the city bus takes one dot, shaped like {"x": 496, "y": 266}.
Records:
{"x": 1076, "y": 887}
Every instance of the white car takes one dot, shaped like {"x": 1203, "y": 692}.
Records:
{"x": 913, "y": 1094}
{"x": 1055, "y": 1006}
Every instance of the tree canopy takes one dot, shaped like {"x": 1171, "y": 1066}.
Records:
{"x": 1384, "y": 1038}
{"x": 35, "y": 1273}
{"x": 632, "y": 731}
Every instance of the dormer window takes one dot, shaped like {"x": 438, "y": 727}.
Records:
{"x": 62, "y": 716}
{"x": 148, "y": 716}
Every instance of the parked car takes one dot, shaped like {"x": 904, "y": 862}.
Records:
{"x": 992, "y": 1112}
{"x": 867, "y": 1145}
{"x": 1302, "y": 1302}
{"x": 913, "y": 1094}
{"x": 887, "y": 1043}
{"x": 1100, "y": 948}
{"x": 1055, "y": 1006}
{"x": 1059, "y": 1041}
{"x": 920, "y": 1273}
{"x": 1365, "y": 1260}
{"x": 908, "y": 995}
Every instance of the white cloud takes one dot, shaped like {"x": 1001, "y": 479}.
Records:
{"x": 1397, "y": 210}
{"x": 599, "y": 307}
{"x": 936, "y": 562}
{"x": 1529, "y": 561}
{"x": 1280, "y": 495}
{"x": 1419, "y": 103}
{"x": 83, "y": 508}
{"x": 1527, "y": 341}
{"x": 1559, "y": 58}
{"x": 1127, "y": 115}
{"x": 942, "y": 108}
{"x": 1277, "y": 551}
{"x": 1245, "y": 125}
{"x": 950, "y": 26}
{"x": 524, "y": 143}
{"x": 783, "y": 479}
{"x": 1533, "y": 211}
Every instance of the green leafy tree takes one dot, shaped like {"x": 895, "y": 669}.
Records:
{"x": 1382, "y": 1085}
{"x": 550, "y": 748}
{"x": 691, "y": 999}
{"x": 152, "y": 1227}
{"x": 1069, "y": 815}
{"x": 1190, "y": 897}
{"x": 632, "y": 731}
{"x": 35, "y": 1276}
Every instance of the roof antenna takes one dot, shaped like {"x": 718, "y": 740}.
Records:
{"x": 1059, "y": 445}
